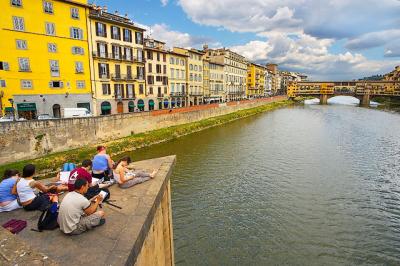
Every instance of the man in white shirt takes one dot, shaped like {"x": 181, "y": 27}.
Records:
{"x": 77, "y": 214}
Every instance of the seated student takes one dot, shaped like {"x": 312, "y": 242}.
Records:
{"x": 8, "y": 201}
{"x": 102, "y": 163}
{"x": 77, "y": 214}
{"x": 83, "y": 172}
{"x": 126, "y": 179}
{"x": 25, "y": 188}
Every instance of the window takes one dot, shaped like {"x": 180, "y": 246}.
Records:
{"x": 172, "y": 73}
{"x": 17, "y": 3}
{"x": 80, "y": 84}
{"x": 150, "y": 80}
{"x": 26, "y": 84}
{"x": 24, "y": 64}
{"x": 128, "y": 54}
{"x": 52, "y": 47}
{"x": 158, "y": 56}
{"x": 129, "y": 91}
{"x": 4, "y": 66}
{"x": 164, "y": 58}
{"x": 164, "y": 69}
{"x": 182, "y": 62}
{"x": 116, "y": 51}
{"x": 54, "y": 68}
{"x": 141, "y": 90}
{"x": 78, "y": 67}
{"x": 140, "y": 72}
{"x": 140, "y": 55}
{"x": 150, "y": 67}
{"x": 191, "y": 67}
{"x": 158, "y": 69}
{"x": 21, "y": 44}
{"x": 18, "y": 23}
{"x": 139, "y": 38}
{"x": 48, "y": 7}
{"x": 115, "y": 33}
{"x": 50, "y": 28}
{"x": 101, "y": 29}
{"x": 127, "y": 35}
{"x": 104, "y": 71}
{"x": 171, "y": 61}
{"x": 2, "y": 83}
{"x": 56, "y": 84}
{"x": 150, "y": 55}
{"x": 102, "y": 50}
{"x": 74, "y": 13}
{"x": 106, "y": 89}
{"x": 76, "y": 33}
{"x": 78, "y": 50}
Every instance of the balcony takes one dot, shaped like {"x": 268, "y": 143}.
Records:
{"x": 124, "y": 77}
{"x": 177, "y": 94}
{"x": 119, "y": 97}
{"x": 121, "y": 58}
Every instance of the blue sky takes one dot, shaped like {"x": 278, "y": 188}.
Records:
{"x": 336, "y": 39}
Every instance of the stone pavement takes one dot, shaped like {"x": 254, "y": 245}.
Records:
{"x": 118, "y": 242}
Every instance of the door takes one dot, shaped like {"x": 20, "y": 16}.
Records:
{"x": 120, "y": 108}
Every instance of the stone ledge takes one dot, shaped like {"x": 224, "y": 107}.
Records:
{"x": 118, "y": 242}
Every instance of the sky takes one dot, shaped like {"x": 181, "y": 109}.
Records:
{"x": 325, "y": 39}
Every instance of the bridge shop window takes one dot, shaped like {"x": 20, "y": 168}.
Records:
{"x": 16, "y": 3}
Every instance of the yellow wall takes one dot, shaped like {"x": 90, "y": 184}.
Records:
{"x": 37, "y": 49}
{"x": 177, "y": 83}
{"x": 255, "y": 80}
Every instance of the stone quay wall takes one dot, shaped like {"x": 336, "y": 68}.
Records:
{"x": 32, "y": 139}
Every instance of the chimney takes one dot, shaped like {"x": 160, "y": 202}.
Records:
{"x": 126, "y": 15}
{"x": 205, "y": 47}
{"x": 116, "y": 13}
{"x": 105, "y": 8}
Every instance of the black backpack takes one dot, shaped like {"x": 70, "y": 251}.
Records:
{"x": 48, "y": 218}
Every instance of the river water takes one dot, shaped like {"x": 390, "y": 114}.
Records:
{"x": 312, "y": 185}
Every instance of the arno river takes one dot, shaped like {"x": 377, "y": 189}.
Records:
{"x": 312, "y": 185}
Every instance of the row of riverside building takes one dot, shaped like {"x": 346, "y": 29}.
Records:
{"x": 58, "y": 54}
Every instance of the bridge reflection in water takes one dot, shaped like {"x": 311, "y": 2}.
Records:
{"x": 365, "y": 91}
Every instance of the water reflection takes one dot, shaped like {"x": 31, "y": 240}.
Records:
{"x": 340, "y": 100}
{"x": 312, "y": 185}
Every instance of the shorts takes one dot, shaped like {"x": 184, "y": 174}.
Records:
{"x": 102, "y": 176}
{"x": 13, "y": 205}
{"x": 41, "y": 202}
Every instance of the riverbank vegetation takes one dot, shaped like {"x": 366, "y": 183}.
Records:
{"x": 50, "y": 164}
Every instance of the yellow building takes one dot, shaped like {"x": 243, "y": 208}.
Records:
{"x": 206, "y": 79}
{"x": 44, "y": 57}
{"x": 255, "y": 81}
{"x": 177, "y": 64}
{"x": 194, "y": 75}
{"x": 157, "y": 93}
{"x": 217, "y": 91}
{"x": 117, "y": 63}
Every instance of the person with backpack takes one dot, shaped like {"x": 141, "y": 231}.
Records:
{"x": 8, "y": 201}
{"x": 77, "y": 214}
{"x": 25, "y": 190}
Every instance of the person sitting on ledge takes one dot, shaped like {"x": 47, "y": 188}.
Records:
{"x": 77, "y": 214}
{"x": 126, "y": 178}
{"x": 8, "y": 201}
{"x": 25, "y": 189}
{"x": 102, "y": 164}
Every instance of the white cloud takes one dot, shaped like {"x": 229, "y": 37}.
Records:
{"x": 176, "y": 38}
{"x": 387, "y": 38}
{"x": 311, "y": 55}
{"x": 164, "y": 2}
{"x": 328, "y": 19}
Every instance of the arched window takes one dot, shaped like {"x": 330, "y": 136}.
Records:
{"x": 56, "y": 111}
{"x": 141, "y": 105}
{"x": 105, "y": 108}
{"x": 151, "y": 105}
{"x": 131, "y": 107}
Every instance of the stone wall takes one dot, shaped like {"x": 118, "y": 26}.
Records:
{"x": 32, "y": 139}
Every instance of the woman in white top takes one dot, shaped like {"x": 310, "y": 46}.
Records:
{"x": 25, "y": 189}
{"x": 126, "y": 178}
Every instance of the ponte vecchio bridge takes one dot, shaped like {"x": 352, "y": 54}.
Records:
{"x": 365, "y": 91}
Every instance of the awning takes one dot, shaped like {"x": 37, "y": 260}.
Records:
{"x": 140, "y": 105}
{"x": 9, "y": 109}
{"x": 26, "y": 106}
{"x": 131, "y": 104}
{"x": 151, "y": 103}
{"x": 105, "y": 107}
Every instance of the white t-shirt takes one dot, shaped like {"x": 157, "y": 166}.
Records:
{"x": 71, "y": 210}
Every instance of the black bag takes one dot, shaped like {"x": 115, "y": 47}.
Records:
{"x": 48, "y": 219}
{"x": 95, "y": 190}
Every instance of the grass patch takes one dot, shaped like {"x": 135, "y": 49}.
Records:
{"x": 50, "y": 164}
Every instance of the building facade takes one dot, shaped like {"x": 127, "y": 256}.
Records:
{"x": 195, "y": 73}
{"x": 235, "y": 68}
{"x": 44, "y": 58}
{"x": 216, "y": 77}
{"x": 275, "y": 79}
{"x": 394, "y": 75}
{"x": 255, "y": 81}
{"x": 157, "y": 92}
{"x": 117, "y": 63}
{"x": 177, "y": 78}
